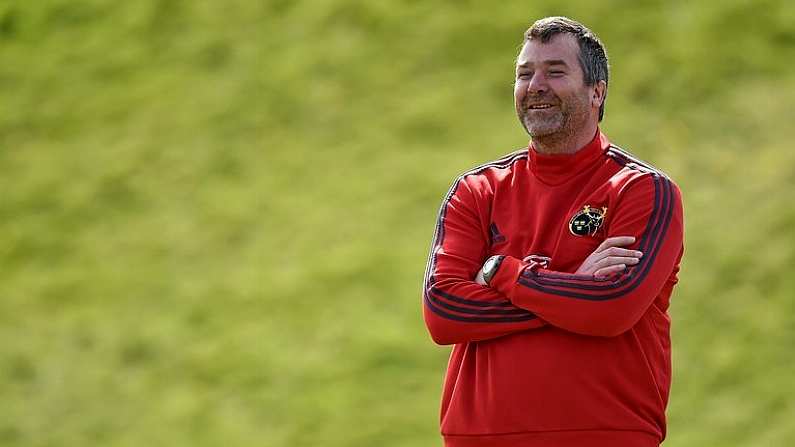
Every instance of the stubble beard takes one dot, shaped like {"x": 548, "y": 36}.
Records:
{"x": 544, "y": 125}
{"x": 555, "y": 130}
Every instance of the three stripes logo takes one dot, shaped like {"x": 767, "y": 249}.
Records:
{"x": 496, "y": 237}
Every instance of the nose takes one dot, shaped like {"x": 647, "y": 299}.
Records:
{"x": 537, "y": 84}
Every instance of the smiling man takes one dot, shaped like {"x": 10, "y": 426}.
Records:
{"x": 551, "y": 270}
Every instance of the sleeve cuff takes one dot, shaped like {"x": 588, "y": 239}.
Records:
{"x": 505, "y": 278}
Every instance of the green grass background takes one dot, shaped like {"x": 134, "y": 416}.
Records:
{"x": 215, "y": 216}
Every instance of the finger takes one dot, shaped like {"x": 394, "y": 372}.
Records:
{"x": 616, "y": 241}
{"x": 607, "y": 271}
{"x": 615, "y": 251}
{"x": 615, "y": 260}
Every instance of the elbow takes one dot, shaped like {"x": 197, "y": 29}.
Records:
{"x": 611, "y": 326}
{"x": 442, "y": 340}
{"x": 605, "y": 324}
{"x": 438, "y": 330}
{"x": 611, "y": 331}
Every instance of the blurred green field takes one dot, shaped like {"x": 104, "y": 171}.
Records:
{"x": 215, "y": 216}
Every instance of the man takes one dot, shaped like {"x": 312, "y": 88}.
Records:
{"x": 562, "y": 334}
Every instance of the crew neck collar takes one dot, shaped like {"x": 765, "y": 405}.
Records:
{"x": 555, "y": 169}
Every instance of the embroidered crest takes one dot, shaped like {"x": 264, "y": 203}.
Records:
{"x": 587, "y": 221}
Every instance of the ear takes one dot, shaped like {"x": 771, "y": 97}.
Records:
{"x": 599, "y": 92}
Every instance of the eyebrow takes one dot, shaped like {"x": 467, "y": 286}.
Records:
{"x": 546, "y": 62}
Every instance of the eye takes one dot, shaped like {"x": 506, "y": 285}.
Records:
{"x": 557, "y": 73}
{"x": 522, "y": 75}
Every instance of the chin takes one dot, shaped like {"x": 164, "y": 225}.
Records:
{"x": 537, "y": 130}
{"x": 544, "y": 127}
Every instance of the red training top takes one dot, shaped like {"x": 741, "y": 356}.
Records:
{"x": 544, "y": 357}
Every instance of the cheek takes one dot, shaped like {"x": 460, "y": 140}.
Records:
{"x": 519, "y": 92}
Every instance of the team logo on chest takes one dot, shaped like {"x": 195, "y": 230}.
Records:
{"x": 587, "y": 221}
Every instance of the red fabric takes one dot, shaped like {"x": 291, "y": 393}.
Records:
{"x": 572, "y": 438}
{"x": 543, "y": 352}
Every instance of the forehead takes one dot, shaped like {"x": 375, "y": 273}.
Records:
{"x": 560, "y": 47}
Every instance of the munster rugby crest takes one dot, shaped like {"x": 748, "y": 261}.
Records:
{"x": 587, "y": 221}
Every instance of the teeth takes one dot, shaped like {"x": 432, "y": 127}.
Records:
{"x": 543, "y": 106}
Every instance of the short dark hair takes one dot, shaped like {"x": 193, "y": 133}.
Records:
{"x": 593, "y": 56}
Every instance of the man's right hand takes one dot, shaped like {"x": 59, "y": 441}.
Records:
{"x": 610, "y": 258}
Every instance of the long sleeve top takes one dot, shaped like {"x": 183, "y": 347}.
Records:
{"x": 543, "y": 356}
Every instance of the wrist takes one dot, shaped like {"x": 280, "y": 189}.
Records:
{"x": 490, "y": 267}
{"x": 505, "y": 277}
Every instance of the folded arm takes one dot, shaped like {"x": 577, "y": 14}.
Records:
{"x": 456, "y": 308}
{"x": 651, "y": 212}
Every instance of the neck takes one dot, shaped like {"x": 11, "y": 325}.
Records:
{"x": 564, "y": 142}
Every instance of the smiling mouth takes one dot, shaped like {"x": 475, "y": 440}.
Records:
{"x": 539, "y": 106}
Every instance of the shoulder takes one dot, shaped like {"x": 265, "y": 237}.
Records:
{"x": 639, "y": 181}
{"x": 488, "y": 174}
{"x": 632, "y": 163}
{"x": 633, "y": 170}
{"x": 480, "y": 182}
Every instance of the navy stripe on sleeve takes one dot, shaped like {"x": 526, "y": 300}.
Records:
{"x": 468, "y": 310}
{"x": 459, "y": 300}
{"x": 476, "y": 319}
